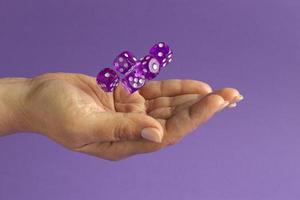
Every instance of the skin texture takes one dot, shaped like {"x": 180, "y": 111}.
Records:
{"x": 73, "y": 111}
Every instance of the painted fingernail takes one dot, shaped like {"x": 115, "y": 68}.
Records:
{"x": 239, "y": 98}
{"x": 152, "y": 134}
{"x": 232, "y": 105}
{"x": 224, "y": 105}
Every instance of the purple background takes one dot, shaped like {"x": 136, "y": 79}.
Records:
{"x": 251, "y": 152}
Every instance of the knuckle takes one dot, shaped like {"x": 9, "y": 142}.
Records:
{"x": 215, "y": 99}
{"x": 205, "y": 86}
{"x": 121, "y": 132}
{"x": 199, "y": 85}
{"x": 125, "y": 130}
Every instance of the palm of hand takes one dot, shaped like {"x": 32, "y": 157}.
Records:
{"x": 73, "y": 111}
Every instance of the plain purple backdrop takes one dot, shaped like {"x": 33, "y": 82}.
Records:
{"x": 250, "y": 152}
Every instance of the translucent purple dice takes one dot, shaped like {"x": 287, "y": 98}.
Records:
{"x": 148, "y": 66}
{"x": 124, "y": 62}
{"x": 162, "y": 53}
{"x": 133, "y": 81}
{"x": 135, "y": 72}
{"x": 108, "y": 79}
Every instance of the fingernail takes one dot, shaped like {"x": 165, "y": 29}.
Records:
{"x": 152, "y": 134}
{"x": 232, "y": 105}
{"x": 224, "y": 105}
{"x": 239, "y": 98}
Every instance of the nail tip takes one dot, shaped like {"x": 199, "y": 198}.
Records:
{"x": 233, "y": 105}
{"x": 223, "y": 105}
{"x": 239, "y": 98}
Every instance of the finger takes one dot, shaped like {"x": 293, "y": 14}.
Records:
{"x": 177, "y": 127}
{"x": 167, "y": 112}
{"x": 230, "y": 95}
{"x": 174, "y": 87}
{"x": 108, "y": 127}
{"x": 161, "y": 102}
{"x": 187, "y": 116}
{"x": 187, "y": 119}
{"x": 193, "y": 116}
{"x": 121, "y": 149}
{"x": 98, "y": 149}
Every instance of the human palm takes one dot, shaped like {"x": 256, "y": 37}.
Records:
{"x": 73, "y": 111}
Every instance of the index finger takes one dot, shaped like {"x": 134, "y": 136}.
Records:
{"x": 173, "y": 87}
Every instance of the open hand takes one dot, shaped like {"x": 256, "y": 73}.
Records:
{"x": 73, "y": 111}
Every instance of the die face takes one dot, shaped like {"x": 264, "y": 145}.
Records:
{"x": 133, "y": 81}
{"x": 148, "y": 66}
{"x": 162, "y": 52}
{"x": 124, "y": 62}
{"x": 108, "y": 79}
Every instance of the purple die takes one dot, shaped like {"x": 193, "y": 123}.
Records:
{"x": 124, "y": 62}
{"x": 133, "y": 81}
{"x": 148, "y": 66}
{"x": 108, "y": 79}
{"x": 162, "y": 53}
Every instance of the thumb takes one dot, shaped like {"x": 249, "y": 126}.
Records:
{"x": 128, "y": 126}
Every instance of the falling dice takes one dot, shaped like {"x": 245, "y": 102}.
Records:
{"x": 148, "y": 66}
{"x": 162, "y": 53}
{"x": 133, "y": 81}
{"x": 124, "y": 62}
{"x": 108, "y": 79}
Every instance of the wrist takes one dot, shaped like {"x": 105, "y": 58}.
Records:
{"x": 13, "y": 92}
